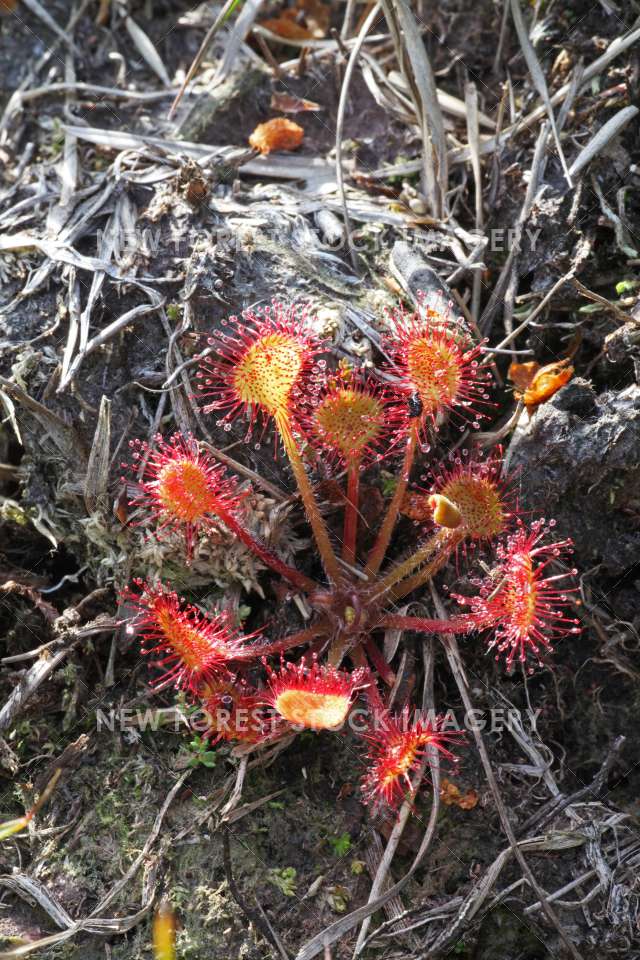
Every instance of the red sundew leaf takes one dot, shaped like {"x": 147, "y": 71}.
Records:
{"x": 354, "y": 420}
{"x": 524, "y": 609}
{"x": 313, "y": 696}
{"x": 193, "y": 648}
{"x": 436, "y": 361}
{"x": 181, "y": 488}
{"x": 260, "y": 362}
{"x": 397, "y": 748}
{"x": 417, "y": 506}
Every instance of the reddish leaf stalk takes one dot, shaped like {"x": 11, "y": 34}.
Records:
{"x": 267, "y": 556}
{"x": 418, "y": 579}
{"x": 318, "y": 526}
{"x": 440, "y": 541}
{"x": 381, "y": 545}
{"x": 425, "y": 625}
{"x": 377, "y": 659}
{"x": 351, "y": 512}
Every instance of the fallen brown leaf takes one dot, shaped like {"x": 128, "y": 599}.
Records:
{"x": 286, "y": 27}
{"x": 451, "y": 795}
{"x": 285, "y": 103}
{"x": 102, "y": 17}
{"x": 537, "y": 384}
{"x": 276, "y": 134}
{"x": 307, "y": 20}
{"x": 521, "y": 374}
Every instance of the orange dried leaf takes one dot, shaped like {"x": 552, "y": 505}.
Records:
{"x": 7, "y": 6}
{"x": 288, "y": 104}
{"x": 283, "y": 26}
{"x": 452, "y": 796}
{"x": 469, "y": 800}
{"x": 316, "y": 16}
{"x": 276, "y": 134}
{"x": 307, "y": 20}
{"x": 521, "y": 374}
{"x": 542, "y": 383}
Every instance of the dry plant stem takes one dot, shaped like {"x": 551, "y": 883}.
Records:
{"x": 342, "y": 106}
{"x": 380, "y": 547}
{"x": 200, "y": 55}
{"x": 263, "y": 553}
{"x": 253, "y": 916}
{"x": 320, "y": 533}
{"x": 457, "y": 668}
{"x": 351, "y": 513}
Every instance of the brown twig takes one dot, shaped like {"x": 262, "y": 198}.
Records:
{"x": 556, "y": 805}
{"x": 256, "y": 917}
{"x": 457, "y": 668}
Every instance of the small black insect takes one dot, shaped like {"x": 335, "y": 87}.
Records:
{"x": 415, "y": 405}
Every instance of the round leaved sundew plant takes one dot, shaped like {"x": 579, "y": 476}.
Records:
{"x": 269, "y": 368}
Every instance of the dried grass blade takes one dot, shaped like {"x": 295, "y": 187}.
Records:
{"x": 147, "y": 50}
{"x": 604, "y": 135}
{"x": 97, "y": 479}
{"x": 538, "y": 79}
{"x": 39, "y": 11}
{"x": 200, "y": 55}
{"x": 419, "y": 75}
